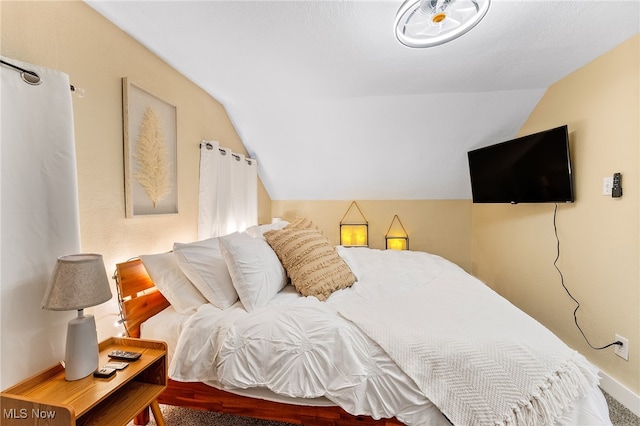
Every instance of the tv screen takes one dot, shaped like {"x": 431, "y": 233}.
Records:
{"x": 530, "y": 169}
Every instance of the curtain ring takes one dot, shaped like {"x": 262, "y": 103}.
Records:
{"x": 30, "y": 77}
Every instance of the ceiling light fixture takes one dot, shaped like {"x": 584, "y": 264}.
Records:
{"x": 426, "y": 23}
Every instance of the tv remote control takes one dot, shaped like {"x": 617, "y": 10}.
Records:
{"x": 125, "y": 355}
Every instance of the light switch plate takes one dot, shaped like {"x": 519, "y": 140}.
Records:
{"x": 607, "y": 184}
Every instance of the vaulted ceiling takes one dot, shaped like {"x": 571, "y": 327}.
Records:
{"x": 334, "y": 107}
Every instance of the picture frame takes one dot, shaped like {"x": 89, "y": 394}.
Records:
{"x": 150, "y": 153}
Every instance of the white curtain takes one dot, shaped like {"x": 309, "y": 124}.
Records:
{"x": 228, "y": 199}
{"x": 39, "y": 219}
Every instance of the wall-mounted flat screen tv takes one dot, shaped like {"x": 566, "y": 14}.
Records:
{"x": 530, "y": 169}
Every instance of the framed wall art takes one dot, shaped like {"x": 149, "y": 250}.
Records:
{"x": 150, "y": 153}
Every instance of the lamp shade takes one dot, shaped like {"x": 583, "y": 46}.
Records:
{"x": 352, "y": 235}
{"x": 79, "y": 281}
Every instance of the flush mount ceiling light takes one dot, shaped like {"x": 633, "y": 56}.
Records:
{"x": 426, "y": 23}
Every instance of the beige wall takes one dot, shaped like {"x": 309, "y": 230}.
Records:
{"x": 514, "y": 246}
{"x": 73, "y": 38}
{"x": 441, "y": 227}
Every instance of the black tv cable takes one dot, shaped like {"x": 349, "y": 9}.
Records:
{"x": 575, "y": 312}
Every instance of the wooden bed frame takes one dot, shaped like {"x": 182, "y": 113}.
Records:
{"x": 139, "y": 300}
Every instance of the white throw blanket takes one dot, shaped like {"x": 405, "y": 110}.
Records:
{"x": 303, "y": 348}
{"x": 481, "y": 360}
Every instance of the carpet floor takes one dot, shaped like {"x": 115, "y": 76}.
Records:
{"x": 619, "y": 414}
{"x": 178, "y": 416}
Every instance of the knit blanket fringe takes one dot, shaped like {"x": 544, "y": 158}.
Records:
{"x": 573, "y": 380}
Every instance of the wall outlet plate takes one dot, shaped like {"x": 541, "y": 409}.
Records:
{"x": 622, "y": 351}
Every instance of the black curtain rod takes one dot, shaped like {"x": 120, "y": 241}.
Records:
{"x": 30, "y": 77}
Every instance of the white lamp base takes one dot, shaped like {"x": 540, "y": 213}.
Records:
{"x": 81, "y": 357}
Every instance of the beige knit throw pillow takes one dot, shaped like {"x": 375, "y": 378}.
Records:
{"x": 312, "y": 263}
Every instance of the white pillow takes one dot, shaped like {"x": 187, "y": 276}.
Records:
{"x": 255, "y": 270}
{"x": 258, "y": 230}
{"x": 167, "y": 276}
{"x": 347, "y": 255}
{"x": 203, "y": 264}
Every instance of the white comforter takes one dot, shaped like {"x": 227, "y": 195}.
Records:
{"x": 301, "y": 347}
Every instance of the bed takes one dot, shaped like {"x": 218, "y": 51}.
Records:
{"x": 277, "y": 324}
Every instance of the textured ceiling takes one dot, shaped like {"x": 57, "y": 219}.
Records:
{"x": 333, "y": 107}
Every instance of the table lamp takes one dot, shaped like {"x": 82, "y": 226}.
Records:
{"x": 79, "y": 281}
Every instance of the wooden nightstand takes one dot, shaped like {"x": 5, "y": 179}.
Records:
{"x": 47, "y": 398}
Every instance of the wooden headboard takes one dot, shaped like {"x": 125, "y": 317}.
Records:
{"x": 138, "y": 297}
